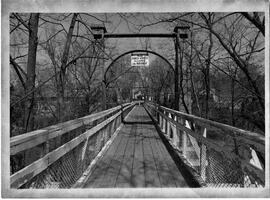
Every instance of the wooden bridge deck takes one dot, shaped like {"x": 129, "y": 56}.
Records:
{"x": 137, "y": 157}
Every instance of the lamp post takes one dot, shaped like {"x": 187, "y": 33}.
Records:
{"x": 182, "y": 33}
{"x": 98, "y": 32}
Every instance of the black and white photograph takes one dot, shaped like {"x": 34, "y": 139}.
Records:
{"x": 135, "y": 99}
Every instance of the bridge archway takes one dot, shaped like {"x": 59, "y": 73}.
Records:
{"x": 136, "y": 51}
{"x": 107, "y": 82}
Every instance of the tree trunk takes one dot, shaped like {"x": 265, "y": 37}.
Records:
{"x": 232, "y": 97}
{"x": 62, "y": 74}
{"x": 165, "y": 99}
{"x": 194, "y": 93}
{"x": 104, "y": 89}
{"x": 31, "y": 71}
{"x": 182, "y": 79}
{"x": 232, "y": 102}
{"x": 207, "y": 74}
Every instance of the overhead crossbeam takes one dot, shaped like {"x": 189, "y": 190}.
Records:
{"x": 130, "y": 35}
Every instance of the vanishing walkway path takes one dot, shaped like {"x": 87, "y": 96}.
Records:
{"x": 104, "y": 151}
{"x": 137, "y": 157}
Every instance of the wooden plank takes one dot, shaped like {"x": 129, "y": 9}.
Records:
{"x": 151, "y": 174}
{"x": 174, "y": 176}
{"x": 108, "y": 178}
{"x": 174, "y": 172}
{"x": 115, "y": 162}
{"x": 134, "y": 164}
{"x": 125, "y": 178}
{"x": 138, "y": 165}
{"x": 125, "y": 174}
{"x": 103, "y": 164}
{"x": 101, "y": 169}
{"x": 151, "y": 178}
{"x": 90, "y": 168}
{"x": 165, "y": 176}
{"x": 118, "y": 160}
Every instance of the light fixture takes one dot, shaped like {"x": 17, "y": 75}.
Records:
{"x": 182, "y": 31}
{"x": 98, "y": 31}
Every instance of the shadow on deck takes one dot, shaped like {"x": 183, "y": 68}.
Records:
{"x": 137, "y": 157}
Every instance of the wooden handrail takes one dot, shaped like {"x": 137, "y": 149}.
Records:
{"x": 27, "y": 173}
{"x": 248, "y": 137}
{"x": 28, "y": 140}
{"x": 243, "y": 148}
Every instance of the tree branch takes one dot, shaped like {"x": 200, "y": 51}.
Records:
{"x": 255, "y": 20}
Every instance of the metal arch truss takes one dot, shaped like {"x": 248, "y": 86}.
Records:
{"x": 137, "y": 51}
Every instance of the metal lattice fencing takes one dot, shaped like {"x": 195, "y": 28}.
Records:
{"x": 61, "y": 174}
{"x": 66, "y": 156}
{"x": 221, "y": 155}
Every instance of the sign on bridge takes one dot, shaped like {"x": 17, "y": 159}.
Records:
{"x": 139, "y": 60}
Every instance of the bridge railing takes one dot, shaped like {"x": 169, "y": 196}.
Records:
{"x": 57, "y": 156}
{"x": 219, "y": 155}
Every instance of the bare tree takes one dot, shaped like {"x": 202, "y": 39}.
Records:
{"x": 31, "y": 68}
{"x": 208, "y": 19}
{"x": 256, "y": 20}
{"x": 62, "y": 74}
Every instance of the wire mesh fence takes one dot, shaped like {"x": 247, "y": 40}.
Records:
{"x": 221, "y": 155}
{"x": 64, "y": 158}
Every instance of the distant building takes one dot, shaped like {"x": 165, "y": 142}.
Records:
{"x": 137, "y": 95}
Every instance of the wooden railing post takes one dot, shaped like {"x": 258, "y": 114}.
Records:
{"x": 118, "y": 121}
{"x": 157, "y": 112}
{"x": 122, "y": 114}
{"x": 98, "y": 143}
{"x": 184, "y": 144}
{"x": 47, "y": 147}
{"x": 110, "y": 131}
{"x": 168, "y": 125}
{"x": 160, "y": 122}
{"x": 175, "y": 135}
{"x": 164, "y": 123}
{"x": 184, "y": 140}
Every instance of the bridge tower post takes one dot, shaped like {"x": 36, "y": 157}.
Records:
{"x": 98, "y": 33}
{"x": 176, "y": 74}
{"x": 181, "y": 33}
